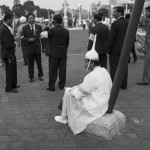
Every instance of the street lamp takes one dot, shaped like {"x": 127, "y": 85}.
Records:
{"x": 126, "y": 7}
{"x": 80, "y": 7}
{"x": 65, "y": 14}
{"x": 111, "y": 13}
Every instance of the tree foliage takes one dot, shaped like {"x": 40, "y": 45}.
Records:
{"x": 19, "y": 10}
{"x": 6, "y": 9}
{"x": 93, "y": 7}
{"x": 61, "y": 12}
{"x": 29, "y": 7}
{"x": 105, "y": 12}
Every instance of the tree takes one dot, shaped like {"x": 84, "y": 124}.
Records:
{"x": 105, "y": 12}
{"x": 85, "y": 14}
{"x": 16, "y": 2}
{"x": 6, "y": 9}
{"x": 42, "y": 13}
{"x": 61, "y": 12}
{"x": 50, "y": 12}
{"x": 19, "y": 10}
{"x": 94, "y": 7}
{"x": 29, "y": 6}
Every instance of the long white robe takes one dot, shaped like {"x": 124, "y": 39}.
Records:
{"x": 88, "y": 101}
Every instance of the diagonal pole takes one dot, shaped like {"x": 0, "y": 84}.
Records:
{"x": 127, "y": 46}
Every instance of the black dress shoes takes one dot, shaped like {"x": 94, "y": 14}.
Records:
{"x": 41, "y": 78}
{"x": 61, "y": 88}
{"x": 31, "y": 79}
{"x": 17, "y": 86}
{"x": 13, "y": 91}
{"x": 50, "y": 89}
{"x": 142, "y": 83}
{"x": 124, "y": 88}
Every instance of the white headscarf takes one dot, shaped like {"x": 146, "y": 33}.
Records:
{"x": 92, "y": 54}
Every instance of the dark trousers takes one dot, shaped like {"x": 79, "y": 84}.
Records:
{"x": 134, "y": 54}
{"x": 37, "y": 58}
{"x": 57, "y": 65}
{"x": 43, "y": 41}
{"x": 24, "y": 52}
{"x": 103, "y": 60}
{"x": 11, "y": 74}
{"x": 45, "y": 45}
{"x": 114, "y": 60}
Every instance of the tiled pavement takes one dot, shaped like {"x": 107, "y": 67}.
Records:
{"x": 27, "y": 118}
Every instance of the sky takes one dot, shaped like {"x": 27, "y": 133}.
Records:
{"x": 55, "y": 4}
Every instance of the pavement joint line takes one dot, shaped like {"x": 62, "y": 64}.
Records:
{"x": 17, "y": 60}
{"x": 67, "y": 54}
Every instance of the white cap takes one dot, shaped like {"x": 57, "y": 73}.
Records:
{"x": 92, "y": 54}
{"x": 22, "y": 19}
{"x": 46, "y": 20}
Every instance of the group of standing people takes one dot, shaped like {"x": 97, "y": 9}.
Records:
{"x": 88, "y": 101}
{"x": 110, "y": 41}
{"x": 85, "y": 102}
{"x": 30, "y": 36}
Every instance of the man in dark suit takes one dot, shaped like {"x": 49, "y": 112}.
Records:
{"x": 127, "y": 16}
{"x": 8, "y": 53}
{"x": 115, "y": 42}
{"x": 102, "y": 32}
{"x": 59, "y": 42}
{"x": 31, "y": 34}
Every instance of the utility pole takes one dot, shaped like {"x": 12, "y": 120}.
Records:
{"x": 127, "y": 46}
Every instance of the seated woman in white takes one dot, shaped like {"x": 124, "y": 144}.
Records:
{"x": 88, "y": 101}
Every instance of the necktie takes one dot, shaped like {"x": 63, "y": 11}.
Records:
{"x": 32, "y": 29}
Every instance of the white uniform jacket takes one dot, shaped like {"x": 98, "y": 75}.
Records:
{"x": 89, "y": 100}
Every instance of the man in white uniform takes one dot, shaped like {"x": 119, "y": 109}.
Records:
{"x": 23, "y": 43}
{"x": 88, "y": 101}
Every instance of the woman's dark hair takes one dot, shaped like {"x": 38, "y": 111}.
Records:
{"x": 30, "y": 14}
{"x": 7, "y": 16}
{"x": 120, "y": 9}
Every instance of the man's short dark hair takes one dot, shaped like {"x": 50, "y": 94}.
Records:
{"x": 7, "y": 16}
{"x": 120, "y": 9}
{"x": 147, "y": 8}
{"x": 30, "y": 14}
{"x": 127, "y": 16}
{"x": 57, "y": 18}
{"x": 98, "y": 16}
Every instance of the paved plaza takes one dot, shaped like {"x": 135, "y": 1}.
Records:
{"x": 27, "y": 118}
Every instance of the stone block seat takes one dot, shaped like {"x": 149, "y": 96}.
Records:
{"x": 108, "y": 125}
